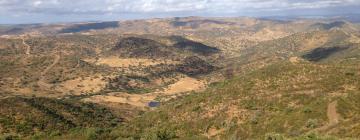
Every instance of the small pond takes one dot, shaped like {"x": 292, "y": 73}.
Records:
{"x": 154, "y": 104}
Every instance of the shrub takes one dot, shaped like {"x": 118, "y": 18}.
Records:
{"x": 9, "y": 137}
{"x": 274, "y": 136}
{"x": 164, "y": 134}
{"x": 312, "y": 123}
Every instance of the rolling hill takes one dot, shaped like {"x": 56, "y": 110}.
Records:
{"x": 181, "y": 78}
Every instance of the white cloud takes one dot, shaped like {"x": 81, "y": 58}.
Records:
{"x": 37, "y": 3}
{"x": 168, "y": 7}
{"x": 142, "y": 6}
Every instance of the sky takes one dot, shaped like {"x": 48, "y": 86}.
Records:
{"x": 52, "y": 11}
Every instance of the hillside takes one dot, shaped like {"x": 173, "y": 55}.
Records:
{"x": 284, "y": 99}
{"x": 281, "y": 101}
{"x": 90, "y": 26}
{"x": 316, "y": 46}
{"x": 21, "y": 117}
{"x": 136, "y": 47}
{"x": 181, "y": 78}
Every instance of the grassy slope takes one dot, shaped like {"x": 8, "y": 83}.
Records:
{"x": 283, "y": 98}
{"x": 21, "y": 117}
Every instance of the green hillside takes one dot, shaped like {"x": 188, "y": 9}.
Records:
{"x": 186, "y": 78}
{"x": 286, "y": 99}
{"x": 22, "y": 117}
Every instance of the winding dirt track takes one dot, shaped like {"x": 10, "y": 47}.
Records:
{"x": 41, "y": 81}
{"x": 332, "y": 114}
{"x": 333, "y": 117}
{"x": 28, "y": 47}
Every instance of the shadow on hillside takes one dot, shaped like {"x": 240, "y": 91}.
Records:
{"x": 90, "y": 26}
{"x": 322, "y": 53}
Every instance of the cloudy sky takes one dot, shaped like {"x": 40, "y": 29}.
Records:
{"x": 50, "y": 11}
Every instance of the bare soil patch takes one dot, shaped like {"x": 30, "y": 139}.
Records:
{"x": 127, "y": 62}
{"x": 131, "y": 99}
{"x": 83, "y": 85}
{"x": 185, "y": 85}
{"x": 212, "y": 132}
{"x": 294, "y": 60}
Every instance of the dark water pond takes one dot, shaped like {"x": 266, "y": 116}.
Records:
{"x": 154, "y": 104}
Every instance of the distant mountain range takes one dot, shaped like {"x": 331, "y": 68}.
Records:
{"x": 174, "y": 22}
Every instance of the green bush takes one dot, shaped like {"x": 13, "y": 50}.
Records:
{"x": 274, "y": 136}
{"x": 312, "y": 123}
{"x": 315, "y": 136}
{"x": 162, "y": 134}
{"x": 9, "y": 137}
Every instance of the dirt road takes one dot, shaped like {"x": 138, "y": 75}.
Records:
{"x": 42, "y": 80}
{"x": 332, "y": 116}
{"x": 28, "y": 47}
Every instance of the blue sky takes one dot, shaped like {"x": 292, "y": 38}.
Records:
{"x": 50, "y": 11}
